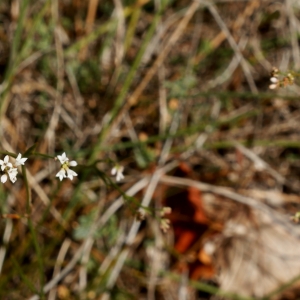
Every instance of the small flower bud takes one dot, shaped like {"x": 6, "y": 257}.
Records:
{"x": 164, "y": 224}
{"x": 140, "y": 215}
{"x": 165, "y": 211}
{"x": 296, "y": 217}
{"x": 274, "y": 72}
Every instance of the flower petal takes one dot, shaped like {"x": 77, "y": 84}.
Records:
{"x": 71, "y": 173}
{"x": 6, "y": 159}
{"x": 62, "y": 158}
{"x": 120, "y": 176}
{"x": 4, "y": 178}
{"x": 113, "y": 171}
{"x": 12, "y": 173}
{"x": 73, "y": 163}
{"x": 13, "y": 179}
{"x": 20, "y": 160}
{"x": 61, "y": 174}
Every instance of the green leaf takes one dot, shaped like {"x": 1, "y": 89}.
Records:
{"x": 29, "y": 150}
{"x": 87, "y": 222}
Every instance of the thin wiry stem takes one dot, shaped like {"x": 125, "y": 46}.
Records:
{"x": 33, "y": 230}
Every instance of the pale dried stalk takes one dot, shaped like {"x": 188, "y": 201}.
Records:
{"x": 234, "y": 46}
{"x": 60, "y": 259}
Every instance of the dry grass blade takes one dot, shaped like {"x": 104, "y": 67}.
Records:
{"x": 294, "y": 30}
{"x": 235, "y": 47}
{"x": 6, "y": 237}
{"x": 60, "y": 258}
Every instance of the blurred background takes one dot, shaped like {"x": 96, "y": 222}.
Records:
{"x": 177, "y": 93}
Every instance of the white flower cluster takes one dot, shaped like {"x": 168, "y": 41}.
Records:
{"x": 280, "y": 82}
{"x": 65, "y": 171}
{"x": 118, "y": 172}
{"x": 9, "y": 170}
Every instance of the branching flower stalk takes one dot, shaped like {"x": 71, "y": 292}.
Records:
{"x": 279, "y": 80}
{"x": 165, "y": 222}
{"x": 10, "y": 171}
{"x": 21, "y": 161}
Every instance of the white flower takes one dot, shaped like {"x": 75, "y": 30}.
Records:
{"x": 12, "y": 173}
{"x": 118, "y": 171}
{"x": 65, "y": 171}
{"x": 8, "y": 170}
{"x": 20, "y": 160}
{"x": 73, "y": 163}
{"x": 61, "y": 174}
{"x": 5, "y": 163}
{"x": 3, "y": 178}
{"x": 62, "y": 158}
{"x": 71, "y": 173}
{"x": 275, "y": 83}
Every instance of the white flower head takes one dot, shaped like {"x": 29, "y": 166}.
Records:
{"x": 12, "y": 173}
{"x": 4, "y": 178}
{"x": 65, "y": 171}
{"x": 118, "y": 172}
{"x": 61, "y": 174}
{"x": 5, "y": 164}
{"x": 62, "y": 158}
{"x": 20, "y": 160}
{"x": 71, "y": 173}
{"x": 8, "y": 170}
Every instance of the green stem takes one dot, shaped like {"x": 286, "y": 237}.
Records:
{"x": 25, "y": 278}
{"x": 201, "y": 286}
{"x": 28, "y": 194}
{"x": 33, "y": 154}
{"x": 17, "y": 35}
{"x": 13, "y": 57}
{"x": 29, "y": 36}
{"x": 121, "y": 97}
{"x": 282, "y": 288}
{"x": 103, "y": 28}
{"x": 8, "y": 153}
{"x": 132, "y": 26}
{"x": 33, "y": 231}
{"x": 43, "y": 155}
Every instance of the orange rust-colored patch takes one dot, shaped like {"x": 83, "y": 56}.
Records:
{"x": 191, "y": 227}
